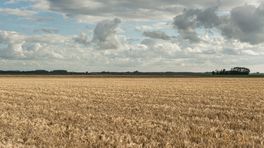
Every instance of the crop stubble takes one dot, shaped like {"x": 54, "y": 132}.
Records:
{"x": 132, "y": 112}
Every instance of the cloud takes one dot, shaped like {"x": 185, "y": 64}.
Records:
{"x": 205, "y": 32}
{"x": 18, "y": 12}
{"x": 17, "y": 46}
{"x": 82, "y": 39}
{"x": 246, "y": 24}
{"x": 208, "y": 18}
{"x": 40, "y": 5}
{"x": 105, "y": 35}
{"x": 132, "y": 9}
{"x": 156, "y": 35}
{"x": 88, "y": 10}
{"x": 47, "y": 30}
{"x": 185, "y": 24}
{"x": 11, "y": 44}
{"x": 191, "y": 19}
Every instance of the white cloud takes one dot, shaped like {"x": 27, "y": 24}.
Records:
{"x": 18, "y": 12}
{"x": 40, "y": 5}
{"x": 17, "y": 46}
{"x": 82, "y": 39}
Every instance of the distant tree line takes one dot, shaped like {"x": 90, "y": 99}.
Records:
{"x": 233, "y": 71}
{"x": 39, "y": 72}
{"x": 65, "y": 72}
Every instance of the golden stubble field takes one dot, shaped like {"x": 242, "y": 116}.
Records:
{"x": 131, "y": 112}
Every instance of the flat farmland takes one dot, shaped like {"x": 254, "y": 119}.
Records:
{"x": 131, "y": 112}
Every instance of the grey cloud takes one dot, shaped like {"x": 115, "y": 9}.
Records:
{"x": 105, "y": 28}
{"x": 190, "y": 35}
{"x": 131, "y": 9}
{"x": 247, "y": 19}
{"x": 156, "y": 35}
{"x": 208, "y": 18}
{"x": 105, "y": 34}
{"x": 187, "y": 22}
{"x": 47, "y": 30}
{"x": 246, "y": 24}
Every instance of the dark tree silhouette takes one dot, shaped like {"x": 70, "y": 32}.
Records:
{"x": 233, "y": 71}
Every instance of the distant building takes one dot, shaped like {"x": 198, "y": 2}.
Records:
{"x": 233, "y": 71}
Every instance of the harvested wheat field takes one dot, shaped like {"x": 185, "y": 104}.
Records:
{"x": 131, "y": 112}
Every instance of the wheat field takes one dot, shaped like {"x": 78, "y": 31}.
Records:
{"x": 131, "y": 112}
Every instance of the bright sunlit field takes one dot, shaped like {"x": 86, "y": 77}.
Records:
{"x": 131, "y": 112}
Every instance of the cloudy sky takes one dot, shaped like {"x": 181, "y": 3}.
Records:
{"x": 128, "y": 35}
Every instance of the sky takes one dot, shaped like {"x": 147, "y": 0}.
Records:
{"x": 130, "y": 35}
